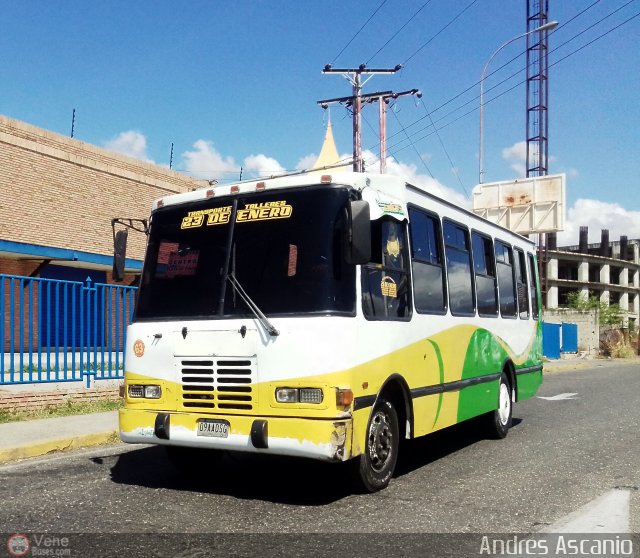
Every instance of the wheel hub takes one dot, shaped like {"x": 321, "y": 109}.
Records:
{"x": 380, "y": 440}
{"x": 504, "y": 410}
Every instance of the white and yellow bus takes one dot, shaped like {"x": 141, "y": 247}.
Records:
{"x": 327, "y": 317}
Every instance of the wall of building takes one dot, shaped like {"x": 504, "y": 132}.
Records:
{"x": 61, "y": 192}
{"x": 588, "y": 326}
{"x": 610, "y": 279}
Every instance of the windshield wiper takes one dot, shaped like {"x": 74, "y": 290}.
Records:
{"x": 253, "y": 306}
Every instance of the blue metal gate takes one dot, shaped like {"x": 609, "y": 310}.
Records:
{"x": 569, "y": 338}
{"x": 62, "y": 331}
{"x": 551, "y": 340}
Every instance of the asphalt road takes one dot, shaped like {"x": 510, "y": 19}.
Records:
{"x": 565, "y": 451}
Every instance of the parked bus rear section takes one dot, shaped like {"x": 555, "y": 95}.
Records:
{"x": 327, "y": 317}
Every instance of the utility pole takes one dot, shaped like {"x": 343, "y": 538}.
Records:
{"x": 354, "y": 76}
{"x": 357, "y": 100}
{"x": 383, "y": 100}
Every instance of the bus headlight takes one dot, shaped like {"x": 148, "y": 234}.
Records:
{"x": 139, "y": 391}
{"x": 135, "y": 391}
{"x": 299, "y": 395}
{"x": 310, "y": 395}
{"x": 152, "y": 392}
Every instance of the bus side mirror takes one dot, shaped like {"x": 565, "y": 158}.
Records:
{"x": 358, "y": 233}
{"x": 119, "y": 254}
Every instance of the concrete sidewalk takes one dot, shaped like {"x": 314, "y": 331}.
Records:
{"x": 32, "y": 438}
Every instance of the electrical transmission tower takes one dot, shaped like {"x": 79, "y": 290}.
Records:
{"x": 537, "y": 115}
{"x": 537, "y": 89}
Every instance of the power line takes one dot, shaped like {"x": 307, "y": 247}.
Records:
{"x": 358, "y": 31}
{"x": 398, "y": 31}
{"x": 578, "y": 14}
{"x": 441, "y": 30}
{"x": 453, "y": 168}
{"x": 507, "y": 90}
{"x": 414, "y": 146}
{"x": 516, "y": 73}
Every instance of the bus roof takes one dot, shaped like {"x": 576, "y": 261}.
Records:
{"x": 386, "y": 194}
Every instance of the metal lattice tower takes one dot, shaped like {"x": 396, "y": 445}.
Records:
{"x": 537, "y": 89}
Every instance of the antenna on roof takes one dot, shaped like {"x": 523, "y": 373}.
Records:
{"x": 73, "y": 121}
{"x": 171, "y": 156}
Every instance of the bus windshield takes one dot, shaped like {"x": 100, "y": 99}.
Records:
{"x": 285, "y": 252}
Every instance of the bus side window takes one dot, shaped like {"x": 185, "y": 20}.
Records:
{"x": 522, "y": 287}
{"x": 385, "y": 284}
{"x": 459, "y": 276}
{"x": 484, "y": 267}
{"x": 533, "y": 287}
{"x": 506, "y": 280}
{"x": 426, "y": 261}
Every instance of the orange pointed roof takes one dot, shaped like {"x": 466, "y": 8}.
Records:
{"x": 329, "y": 153}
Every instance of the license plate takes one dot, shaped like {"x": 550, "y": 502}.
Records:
{"x": 213, "y": 428}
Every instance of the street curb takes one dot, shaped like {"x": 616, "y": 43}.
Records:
{"x": 565, "y": 367}
{"x": 39, "y": 449}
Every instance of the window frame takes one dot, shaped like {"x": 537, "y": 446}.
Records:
{"x": 495, "y": 276}
{"x": 522, "y": 264}
{"x": 443, "y": 266}
{"x": 381, "y": 267}
{"x": 534, "y": 287}
{"x": 465, "y": 228}
{"x": 508, "y": 245}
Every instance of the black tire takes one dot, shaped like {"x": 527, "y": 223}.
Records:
{"x": 499, "y": 421}
{"x": 191, "y": 460}
{"x": 376, "y": 465}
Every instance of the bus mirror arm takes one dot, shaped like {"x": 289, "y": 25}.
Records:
{"x": 120, "y": 242}
{"x": 357, "y": 242}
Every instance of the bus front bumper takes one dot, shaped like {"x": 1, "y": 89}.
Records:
{"x": 327, "y": 440}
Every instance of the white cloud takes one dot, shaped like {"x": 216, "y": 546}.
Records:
{"x": 262, "y": 165}
{"x": 130, "y": 143}
{"x": 410, "y": 173}
{"x": 598, "y": 215}
{"x": 516, "y": 156}
{"x": 307, "y": 162}
{"x": 207, "y": 162}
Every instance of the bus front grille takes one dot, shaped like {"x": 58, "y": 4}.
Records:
{"x": 224, "y": 383}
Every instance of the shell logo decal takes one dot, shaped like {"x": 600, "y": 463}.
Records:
{"x": 138, "y": 348}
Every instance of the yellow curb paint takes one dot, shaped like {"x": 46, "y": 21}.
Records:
{"x": 63, "y": 444}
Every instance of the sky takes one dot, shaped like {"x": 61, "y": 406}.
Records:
{"x": 234, "y": 86}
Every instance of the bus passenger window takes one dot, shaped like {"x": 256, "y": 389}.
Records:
{"x": 533, "y": 287}
{"x": 458, "y": 254}
{"x": 485, "y": 274}
{"x": 506, "y": 282}
{"x": 385, "y": 285}
{"x": 427, "y": 264}
{"x": 521, "y": 284}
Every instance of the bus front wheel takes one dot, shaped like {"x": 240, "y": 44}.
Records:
{"x": 498, "y": 422}
{"x": 376, "y": 465}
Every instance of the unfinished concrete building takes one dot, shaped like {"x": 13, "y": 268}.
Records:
{"x": 609, "y": 270}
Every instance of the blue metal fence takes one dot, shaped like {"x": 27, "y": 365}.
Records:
{"x": 61, "y": 331}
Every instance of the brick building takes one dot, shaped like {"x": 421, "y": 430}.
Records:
{"x": 59, "y": 196}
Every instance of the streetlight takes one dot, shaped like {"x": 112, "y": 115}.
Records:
{"x": 545, "y": 27}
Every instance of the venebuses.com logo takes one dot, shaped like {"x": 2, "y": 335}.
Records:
{"x": 18, "y": 545}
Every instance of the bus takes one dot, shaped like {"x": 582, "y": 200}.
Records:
{"x": 326, "y": 316}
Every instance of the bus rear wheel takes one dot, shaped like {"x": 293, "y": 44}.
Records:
{"x": 499, "y": 421}
{"x": 376, "y": 465}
